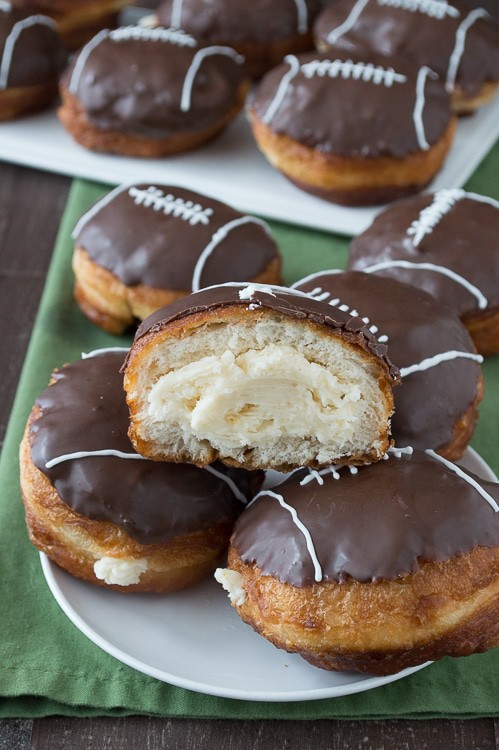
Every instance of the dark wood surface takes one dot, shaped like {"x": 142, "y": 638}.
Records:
{"x": 31, "y": 204}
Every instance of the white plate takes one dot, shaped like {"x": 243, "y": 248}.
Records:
{"x": 194, "y": 639}
{"x": 230, "y": 168}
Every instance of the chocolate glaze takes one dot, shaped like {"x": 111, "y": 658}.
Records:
{"x": 465, "y": 240}
{"x": 85, "y": 410}
{"x": 135, "y": 84}
{"x": 350, "y": 116}
{"x": 38, "y": 55}
{"x": 216, "y": 21}
{"x": 430, "y": 402}
{"x": 379, "y": 523}
{"x": 277, "y": 299}
{"x": 141, "y": 245}
{"x": 417, "y": 36}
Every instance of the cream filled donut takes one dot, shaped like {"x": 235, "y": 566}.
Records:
{"x": 258, "y": 376}
{"x": 143, "y": 246}
{"x": 373, "y": 570}
{"x": 150, "y": 92}
{"x": 446, "y": 243}
{"x": 442, "y": 382}
{"x": 263, "y": 31}
{"x": 353, "y": 129}
{"x": 32, "y": 57}
{"x": 456, "y": 40}
{"x": 101, "y": 511}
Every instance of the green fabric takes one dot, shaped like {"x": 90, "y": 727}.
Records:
{"x": 48, "y": 667}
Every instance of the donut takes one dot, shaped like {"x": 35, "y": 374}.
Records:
{"x": 354, "y": 130}
{"x": 175, "y": 95}
{"x": 124, "y": 524}
{"x": 375, "y": 570}
{"x": 263, "y": 31}
{"x": 456, "y": 40}
{"x": 78, "y": 20}
{"x": 143, "y": 246}
{"x": 260, "y": 377}
{"x": 447, "y": 244}
{"x": 442, "y": 381}
{"x": 32, "y": 57}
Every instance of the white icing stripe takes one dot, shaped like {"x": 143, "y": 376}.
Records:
{"x": 438, "y": 9}
{"x": 155, "y": 198}
{"x": 11, "y": 41}
{"x": 316, "y": 275}
{"x": 5, "y": 6}
{"x": 425, "y": 364}
{"x": 154, "y": 34}
{"x": 466, "y": 477}
{"x": 105, "y": 350}
{"x": 399, "y": 452}
{"x": 357, "y": 71}
{"x": 294, "y": 68}
{"x": 228, "y": 481}
{"x": 89, "y": 454}
{"x": 417, "y": 114}
{"x": 96, "y": 208}
{"x": 472, "y": 289}
{"x": 185, "y": 101}
{"x": 252, "y": 288}
{"x": 301, "y": 526}
{"x": 82, "y": 59}
{"x": 429, "y": 217}
{"x": 457, "y": 52}
{"x": 217, "y": 238}
{"x": 347, "y": 24}
{"x": 302, "y": 12}
{"x": 482, "y": 199}
{"x": 176, "y": 15}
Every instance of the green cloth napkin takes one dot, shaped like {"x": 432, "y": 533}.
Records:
{"x": 48, "y": 667}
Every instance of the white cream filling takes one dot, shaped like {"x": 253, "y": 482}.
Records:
{"x": 119, "y": 572}
{"x": 257, "y": 396}
{"x": 232, "y": 582}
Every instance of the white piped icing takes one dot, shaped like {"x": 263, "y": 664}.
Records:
{"x": 438, "y": 9}
{"x": 119, "y": 572}
{"x": 465, "y": 476}
{"x": 156, "y": 34}
{"x": 482, "y": 300}
{"x": 460, "y": 42}
{"x": 218, "y": 237}
{"x": 233, "y": 486}
{"x": 82, "y": 59}
{"x": 12, "y": 39}
{"x": 302, "y": 14}
{"x": 294, "y": 67}
{"x": 5, "y": 7}
{"x": 443, "y": 201}
{"x": 425, "y": 364}
{"x": 417, "y": 114}
{"x": 96, "y": 208}
{"x": 176, "y": 16}
{"x": 300, "y": 526}
{"x": 154, "y": 198}
{"x": 348, "y": 23}
{"x": 90, "y": 454}
{"x": 105, "y": 350}
{"x": 202, "y": 54}
{"x": 358, "y": 71}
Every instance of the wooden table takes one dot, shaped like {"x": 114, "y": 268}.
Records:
{"x": 31, "y": 204}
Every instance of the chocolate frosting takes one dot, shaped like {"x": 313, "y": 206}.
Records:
{"x": 352, "y": 104}
{"x": 376, "y": 524}
{"x": 85, "y": 410}
{"x": 229, "y": 21}
{"x": 37, "y": 55}
{"x": 132, "y": 79}
{"x": 278, "y": 299}
{"x": 155, "y": 235}
{"x": 463, "y": 236}
{"x": 425, "y": 38}
{"x": 430, "y": 402}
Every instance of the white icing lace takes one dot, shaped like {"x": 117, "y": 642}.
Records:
{"x": 347, "y": 24}
{"x": 457, "y": 52}
{"x": 5, "y": 6}
{"x": 157, "y": 34}
{"x": 434, "y": 8}
{"x": 430, "y": 216}
{"x": 466, "y": 477}
{"x": 12, "y": 39}
{"x": 358, "y": 71}
{"x": 153, "y": 197}
{"x": 197, "y": 60}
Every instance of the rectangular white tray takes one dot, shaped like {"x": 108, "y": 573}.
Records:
{"x": 231, "y": 168}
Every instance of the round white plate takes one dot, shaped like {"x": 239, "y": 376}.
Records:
{"x": 194, "y": 639}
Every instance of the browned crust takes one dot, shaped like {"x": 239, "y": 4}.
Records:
{"x": 110, "y": 304}
{"x": 463, "y": 104}
{"x": 74, "y": 119}
{"x": 352, "y": 181}
{"x": 464, "y": 427}
{"x": 75, "y": 542}
{"x": 19, "y": 100}
{"x": 448, "y": 608}
{"x": 483, "y": 328}
{"x": 184, "y": 327}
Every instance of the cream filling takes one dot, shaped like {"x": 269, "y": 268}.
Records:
{"x": 232, "y": 582}
{"x": 119, "y": 572}
{"x": 257, "y": 397}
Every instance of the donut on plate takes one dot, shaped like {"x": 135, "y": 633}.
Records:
{"x": 442, "y": 381}
{"x": 32, "y": 57}
{"x": 260, "y": 377}
{"x": 102, "y": 512}
{"x": 143, "y": 246}
{"x": 372, "y": 570}
{"x": 446, "y": 243}
{"x": 150, "y": 92}
{"x": 353, "y": 129}
{"x": 263, "y": 31}
{"x": 456, "y": 40}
